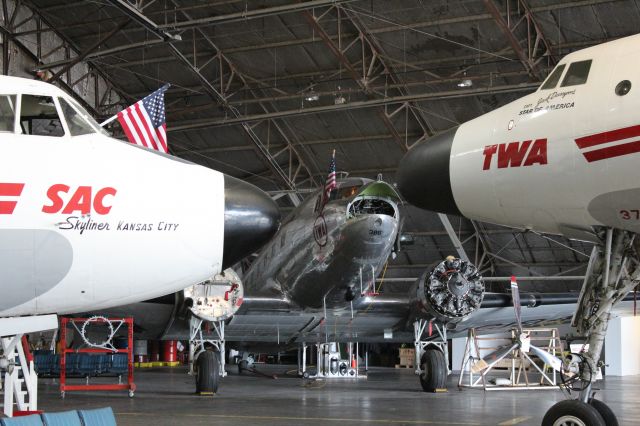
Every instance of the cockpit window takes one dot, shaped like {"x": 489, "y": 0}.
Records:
{"x": 82, "y": 112}
{"x": 7, "y": 112}
{"x": 76, "y": 123}
{"x": 348, "y": 191}
{"x": 577, "y": 74}
{"x": 554, "y": 78}
{"x": 39, "y": 116}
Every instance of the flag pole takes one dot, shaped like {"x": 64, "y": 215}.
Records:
{"x": 109, "y": 120}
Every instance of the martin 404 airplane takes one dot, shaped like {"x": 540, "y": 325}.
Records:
{"x": 89, "y": 222}
{"x": 562, "y": 160}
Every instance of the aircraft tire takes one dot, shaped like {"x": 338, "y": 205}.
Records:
{"x": 434, "y": 370}
{"x": 573, "y": 412}
{"x": 208, "y": 374}
{"x": 607, "y": 414}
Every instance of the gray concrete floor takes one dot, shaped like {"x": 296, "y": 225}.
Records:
{"x": 388, "y": 396}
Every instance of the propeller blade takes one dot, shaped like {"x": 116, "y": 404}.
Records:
{"x": 552, "y": 360}
{"x": 515, "y": 297}
{"x": 493, "y": 358}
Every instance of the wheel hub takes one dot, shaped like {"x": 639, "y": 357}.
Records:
{"x": 569, "y": 421}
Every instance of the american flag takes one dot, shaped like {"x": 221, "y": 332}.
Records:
{"x": 144, "y": 122}
{"x": 331, "y": 183}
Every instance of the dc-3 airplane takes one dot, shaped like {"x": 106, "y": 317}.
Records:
{"x": 562, "y": 160}
{"x": 315, "y": 281}
{"x": 89, "y": 222}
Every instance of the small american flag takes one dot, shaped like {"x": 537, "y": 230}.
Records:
{"x": 144, "y": 122}
{"x": 331, "y": 183}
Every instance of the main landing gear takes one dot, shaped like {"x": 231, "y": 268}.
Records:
{"x": 613, "y": 271}
{"x": 432, "y": 360}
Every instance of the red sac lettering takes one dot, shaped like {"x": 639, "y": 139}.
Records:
{"x": 98, "y": 202}
{"x": 516, "y": 154}
{"x": 82, "y": 200}
{"x": 56, "y": 201}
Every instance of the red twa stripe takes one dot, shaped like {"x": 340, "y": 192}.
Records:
{"x": 7, "y": 207}
{"x": 614, "y": 151}
{"x": 608, "y": 136}
{"x": 11, "y": 189}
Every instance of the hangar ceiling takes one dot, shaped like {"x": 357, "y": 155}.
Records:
{"x": 265, "y": 90}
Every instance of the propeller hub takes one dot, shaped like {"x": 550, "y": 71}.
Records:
{"x": 457, "y": 285}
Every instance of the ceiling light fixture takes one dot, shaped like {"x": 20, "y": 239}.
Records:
{"x": 311, "y": 96}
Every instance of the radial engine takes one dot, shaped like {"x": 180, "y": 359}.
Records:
{"x": 451, "y": 292}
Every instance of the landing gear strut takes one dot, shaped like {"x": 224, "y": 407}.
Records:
{"x": 613, "y": 271}
{"x": 432, "y": 356}
{"x": 206, "y": 356}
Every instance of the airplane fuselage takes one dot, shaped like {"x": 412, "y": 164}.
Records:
{"x": 71, "y": 225}
{"x": 560, "y": 160}
{"x": 89, "y": 222}
{"x": 322, "y": 259}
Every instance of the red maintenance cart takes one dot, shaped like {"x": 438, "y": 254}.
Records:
{"x": 96, "y": 364}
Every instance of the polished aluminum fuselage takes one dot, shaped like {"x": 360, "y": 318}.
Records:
{"x": 300, "y": 270}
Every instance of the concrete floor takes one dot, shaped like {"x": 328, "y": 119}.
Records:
{"x": 387, "y": 396}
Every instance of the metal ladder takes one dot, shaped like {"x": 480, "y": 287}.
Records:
{"x": 20, "y": 382}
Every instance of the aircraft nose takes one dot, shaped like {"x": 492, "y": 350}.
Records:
{"x": 251, "y": 218}
{"x": 424, "y": 178}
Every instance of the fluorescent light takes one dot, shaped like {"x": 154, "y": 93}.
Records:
{"x": 311, "y": 96}
{"x": 465, "y": 83}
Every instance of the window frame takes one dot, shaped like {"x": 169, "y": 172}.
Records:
{"x": 15, "y": 110}
{"x": 562, "y": 83}
{"x": 80, "y": 114}
{"x": 61, "y": 117}
{"x": 563, "y": 68}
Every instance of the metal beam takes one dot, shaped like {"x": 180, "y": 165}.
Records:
{"x": 394, "y": 28}
{"x": 530, "y": 55}
{"x": 251, "y": 14}
{"x": 496, "y": 279}
{"x": 451, "y": 94}
{"x": 87, "y": 51}
{"x": 218, "y": 95}
{"x": 462, "y": 254}
{"x": 330, "y": 141}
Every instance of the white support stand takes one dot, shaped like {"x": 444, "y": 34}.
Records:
{"x": 523, "y": 371}
{"x": 420, "y": 342}
{"x": 330, "y": 364}
{"x": 19, "y": 382}
{"x": 302, "y": 360}
{"x": 197, "y": 342}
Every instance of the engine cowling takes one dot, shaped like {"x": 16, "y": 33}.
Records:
{"x": 217, "y": 299}
{"x": 451, "y": 292}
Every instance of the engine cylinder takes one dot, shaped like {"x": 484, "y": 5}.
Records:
{"x": 452, "y": 291}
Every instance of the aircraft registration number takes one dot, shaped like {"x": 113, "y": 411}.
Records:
{"x": 630, "y": 214}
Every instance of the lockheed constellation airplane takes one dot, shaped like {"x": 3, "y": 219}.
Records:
{"x": 562, "y": 160}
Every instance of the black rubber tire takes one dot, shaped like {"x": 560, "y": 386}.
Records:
{"x": 607, "y": 414}
{"x": 573, "y": 408}
{"x": 434, "y": 370}
{"x": 208, "y": 373}
{"x": 243, "y": 365}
